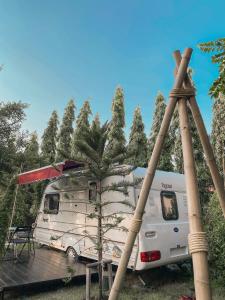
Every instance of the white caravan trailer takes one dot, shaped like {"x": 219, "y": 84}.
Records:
{"x": 63, "y": 221}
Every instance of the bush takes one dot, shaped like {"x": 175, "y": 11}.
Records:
{"x": 215, "y": 228}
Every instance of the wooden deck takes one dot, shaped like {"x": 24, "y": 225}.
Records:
{"x": 46, "y": 266}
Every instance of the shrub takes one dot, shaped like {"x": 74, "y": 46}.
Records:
{"x": 215, "y": 228}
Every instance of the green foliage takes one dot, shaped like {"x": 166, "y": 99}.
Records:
{"x": 137, "y": 146}
{"x": 28, "y": 202}
{"x": 165, "y": 162}
{"x": 218, "y": 130}
{"x": 202, "y": 170}
{"x": 6, "y": 204}
{"x": 31, "y": 153}
{"x": 99, "y": 160}
{"x": 116, "y": 137}
{"x": 177, "y": 152}
{"x": 11, "y": 116}
{"x": 11, "y": 138}
{"x": 215, "y": 227}
{"x": 82, "y": 126}
{"x": 48, "y": 145}
{"x": 70, "y": 275}
{"x": 12, "y": 142}
{"x": 216, "y": 47}
{"x": 29, "y": 196}
{"x": 65, "y": 132}
{"x": 203, "y": 176}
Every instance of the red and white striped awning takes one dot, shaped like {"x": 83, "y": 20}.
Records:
{"x": 47, "y": 172}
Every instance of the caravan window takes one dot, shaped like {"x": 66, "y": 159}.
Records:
{"x": 92, "y": 190}
{"x": 51, "y": 204}
{"x": 169, "y": 205}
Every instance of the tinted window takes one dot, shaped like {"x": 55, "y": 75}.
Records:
{"x": 51, "y": 204}
{"x": 169, "y": 205}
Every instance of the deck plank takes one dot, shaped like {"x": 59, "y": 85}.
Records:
{"x": 46, "y": 265}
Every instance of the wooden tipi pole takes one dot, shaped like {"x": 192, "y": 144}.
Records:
{"x": 139, "y": 211}
{"x": 197, "y": 239}
{"x": 217, "y": 179}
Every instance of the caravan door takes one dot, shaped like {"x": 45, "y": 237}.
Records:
{"x": 46, "y": 217}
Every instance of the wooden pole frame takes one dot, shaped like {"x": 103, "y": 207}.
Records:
{"x": 197, "y": 238}
{"x": 146, "y": 186}
{"x": 210, "y": 158}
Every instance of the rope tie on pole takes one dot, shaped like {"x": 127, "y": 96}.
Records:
{"x": 135, "y": 225}
{"x": 197, "y": 242}
{"x": 182, "y": 93}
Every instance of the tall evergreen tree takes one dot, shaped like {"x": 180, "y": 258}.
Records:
{"x": 165, "y": 162}
{"x": 65, "y": 132}
{"x": 82, "y": 126}
{"x": 177, "y": 153}
{"x": 201, "y": 167}
{"x": 31, "y": 153}
{"x": 100, "y": 165}
{"x": 218, "y": 130}
{"x": 204, "y": 179}
{"x": 116, "y": 134}
{"x": 48, "y": 145}
{"x": 137, "y": 147}
{"x": 27, "y": 198}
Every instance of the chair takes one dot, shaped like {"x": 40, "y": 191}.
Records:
{"x": 21, "y": 236}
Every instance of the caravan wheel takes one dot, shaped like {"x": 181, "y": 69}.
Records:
{"x": 71, "y": 252}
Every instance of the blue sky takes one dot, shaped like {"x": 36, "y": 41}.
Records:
{"x": 53, "y": 51}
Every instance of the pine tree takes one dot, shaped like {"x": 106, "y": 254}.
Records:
{"x": 99, "y": 162}
{"x": 218, "y": 130}
{"x": 137, "y": 147}
{"x": 65, "y": 132}
{"x": 82, "y": 126}
{"x": 165, "y": 162}
{"x": 31, "y": 153}
{"x": 48, "y": 146}
{"x": 116, "y": 135}
{"x": 27, "y": 197}
{"x": 177, "y": 153}
{"x": 204, "y": 179}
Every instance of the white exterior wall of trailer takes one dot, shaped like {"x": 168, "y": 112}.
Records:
{"x": 163, "y": 235}
{"x": 165, "y": 227}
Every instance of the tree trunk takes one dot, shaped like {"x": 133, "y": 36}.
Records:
{"x": 99, "y": 241}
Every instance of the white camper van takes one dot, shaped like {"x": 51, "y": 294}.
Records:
{"x": 63, "y": 221}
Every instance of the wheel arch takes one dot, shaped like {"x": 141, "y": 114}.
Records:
{"x": 72, "y": 241}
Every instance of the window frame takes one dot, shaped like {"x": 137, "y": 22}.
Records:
{"x": 47, "y": 210}
{"x": 171, "y": 193}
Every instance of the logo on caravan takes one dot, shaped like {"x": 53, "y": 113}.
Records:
{"x": 166, "y": 185}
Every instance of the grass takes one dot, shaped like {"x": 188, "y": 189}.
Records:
{"x": 160, "y": 284}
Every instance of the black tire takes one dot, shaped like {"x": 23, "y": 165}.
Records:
{"x": 72, "y": 253}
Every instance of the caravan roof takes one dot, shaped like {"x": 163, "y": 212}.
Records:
{"x": 164, "y": 180}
